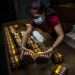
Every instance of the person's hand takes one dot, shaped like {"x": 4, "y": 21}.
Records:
{"x": 50, "y": 50}
{"x": 29, "y": 52}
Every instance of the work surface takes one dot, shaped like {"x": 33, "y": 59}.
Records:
{"x": 69, "y": 54}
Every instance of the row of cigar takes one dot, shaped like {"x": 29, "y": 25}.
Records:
{"x": 12, "y": 50}
{"x": 14, "y": 57}
{"x": 34, "y": 45}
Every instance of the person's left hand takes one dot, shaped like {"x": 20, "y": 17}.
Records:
{"x": 49, "y": 51}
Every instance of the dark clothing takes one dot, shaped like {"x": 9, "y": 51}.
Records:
{"x": 49, "y": 23}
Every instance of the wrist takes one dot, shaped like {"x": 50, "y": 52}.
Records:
{"x": 50, "y": 49}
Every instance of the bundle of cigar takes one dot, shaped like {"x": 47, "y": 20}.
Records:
{"x": 30, "y": 43}
{"x": 12, "y": 52}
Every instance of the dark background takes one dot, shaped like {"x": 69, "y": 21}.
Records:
{"x": 7, "y": 13}
{"x": 18, "y": 9}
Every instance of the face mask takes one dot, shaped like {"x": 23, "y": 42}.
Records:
{"x": 38, "y": 19}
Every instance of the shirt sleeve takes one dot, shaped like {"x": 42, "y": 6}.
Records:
{"x": 54, "y": 20}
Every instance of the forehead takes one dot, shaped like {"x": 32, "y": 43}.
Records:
{"x": 35, "y": 4}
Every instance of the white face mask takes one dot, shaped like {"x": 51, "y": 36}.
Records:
{"x": 39, "y": 19}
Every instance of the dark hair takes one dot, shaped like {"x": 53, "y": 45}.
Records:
{"x": 43, "y": 6}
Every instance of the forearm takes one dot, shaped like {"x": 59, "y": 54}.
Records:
{"x": 55, "y": 44}
{"x": 29, "y": 28}
{"x": 60, "y": 36}
{"x": 26, "y": 34}
{"x": 24, "y": 39}
{"x": 58, "y": 41}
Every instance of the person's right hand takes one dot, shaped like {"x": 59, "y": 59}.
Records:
{"x": 30, "y": 52}
{"x": 27, "y": 52}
